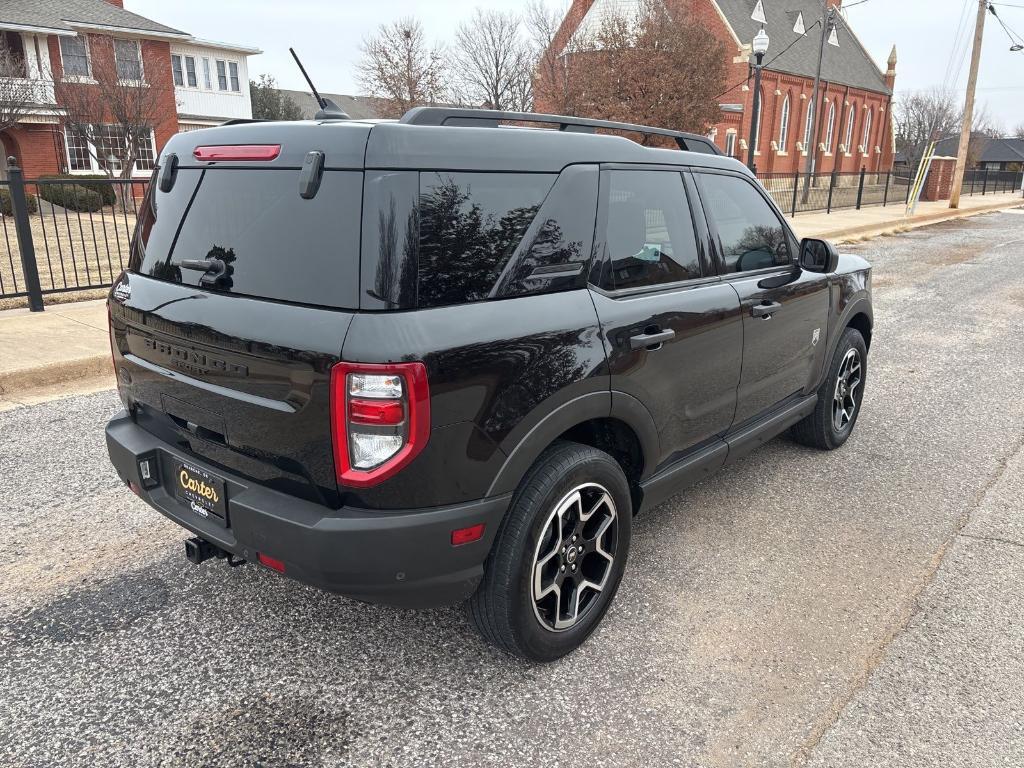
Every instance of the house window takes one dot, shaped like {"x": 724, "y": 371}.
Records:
{"x": 784, "y": 125}
{"x": 178, "y": 75}
{"x": 128, "y": 60}
{"x": 848, "y": 140}
{"x": 74, "y": 56}
{"x": 233, "y": 68}
{"x": 867, "y": 131}
{"x": 730, "y": 144}
{"x": 110, "y": 144}
{"x": 190, "y": 72}
{"x": 78, "y": 152}
{"x": 808, "y": 127}
{"x": 11, "y": 43}
{"x": 830, "y": 133}
{"x": 222, "y": 75}
{"x": 207, "y": 84}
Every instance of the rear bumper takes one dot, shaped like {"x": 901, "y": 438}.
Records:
{"x": 398, "y": 557}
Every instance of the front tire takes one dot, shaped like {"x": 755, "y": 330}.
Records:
{"x": 559, "y": 555}
{"x": 839, "y": 397}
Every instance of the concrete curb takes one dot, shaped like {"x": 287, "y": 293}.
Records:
{"x": 874, "y": 230}
{"x": 14, "y": 382}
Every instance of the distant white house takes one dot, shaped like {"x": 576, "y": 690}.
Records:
{"x": 211, "y": 82}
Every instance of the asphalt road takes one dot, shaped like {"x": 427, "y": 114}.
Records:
{"x": 863, "y": 607}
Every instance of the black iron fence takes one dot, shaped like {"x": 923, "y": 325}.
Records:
{"x": 801, "y": 192}
{"x": 64, "y": 234}
{"x": 986, "y": 182}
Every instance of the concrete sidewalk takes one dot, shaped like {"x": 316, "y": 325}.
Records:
{"x": 40, "y": 353}
{"x": 851, "y": 225}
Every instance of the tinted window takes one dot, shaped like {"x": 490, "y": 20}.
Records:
{"x": 750, "y": 233}
{"x": 274, "y": 244}
{"x": 159, "y": 217}
{"x": 649, "y": 234}
{"x": 555, "y": 251}
{"x": 391, "y": 231}
{"x": 470, "y": 224}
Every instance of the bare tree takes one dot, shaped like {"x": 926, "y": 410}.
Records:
{"x": 933, "y": 115}
{"x": 113, "y": 117}
{"x": 401, "y": 69}
{"x": 17, "y": 93}
{"x": 552, "y": 89}
{"x": 659, "y": 66}
{"x": 493, "y": 61}
{"x": 1018, "y": 132}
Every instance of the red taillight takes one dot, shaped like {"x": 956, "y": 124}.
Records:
{"x": 380, "y": 419}
{"x": 389, "y": 412}
{"x": 271, "y": 562}
{"x": 467, "y": 535}
{"x": 238, "y": 152}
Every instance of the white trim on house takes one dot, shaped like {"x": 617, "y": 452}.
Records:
{"x": 129, "y": 31}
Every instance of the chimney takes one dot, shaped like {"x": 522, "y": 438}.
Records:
{"x": 890, "y": 74}
{"x": 118, "y": 3}
{"x": 836, "y": 3}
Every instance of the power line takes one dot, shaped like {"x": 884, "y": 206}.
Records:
{"x": 957, "y": 45}
{"x": 1015, "y": 39}
{"x": 776, "y": 56}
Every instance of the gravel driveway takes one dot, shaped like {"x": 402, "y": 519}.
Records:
{"x": 799, "y": 607}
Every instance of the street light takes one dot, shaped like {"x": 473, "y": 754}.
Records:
{"x": 760, "y": 48}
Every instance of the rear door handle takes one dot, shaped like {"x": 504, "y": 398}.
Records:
{"x": 765, "y": 309}
{"x": 647, "y": 340}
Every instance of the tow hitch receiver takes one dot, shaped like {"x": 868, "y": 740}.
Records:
{"x": 199, "y": 550}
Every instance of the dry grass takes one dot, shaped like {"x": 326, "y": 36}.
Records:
{"x": 72, "y": 250}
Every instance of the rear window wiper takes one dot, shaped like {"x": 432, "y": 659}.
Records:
{"x": 216, "y": 272}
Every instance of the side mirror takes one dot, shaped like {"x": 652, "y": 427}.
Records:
{"x": 818, "y": 255}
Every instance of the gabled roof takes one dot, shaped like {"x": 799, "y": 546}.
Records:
{"x": 992, "y": 150}
{"x": 57, "y": 16}
{"x": 356, "y": 107}
{"x": 849, "y": 64}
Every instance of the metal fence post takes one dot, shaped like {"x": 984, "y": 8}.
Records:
{"x": 796, "y": 183}
{"x": 860, "y": 189}
{"x": 885, "y": 197}
{"x": 29, "y": 270}
{"x": 831, "y": 187}
{"x": 984, "y": 182}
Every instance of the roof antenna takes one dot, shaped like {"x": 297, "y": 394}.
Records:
{"x": 328, "y": 109}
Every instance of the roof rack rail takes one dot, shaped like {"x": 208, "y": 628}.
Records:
{"x": 491, "y": 118}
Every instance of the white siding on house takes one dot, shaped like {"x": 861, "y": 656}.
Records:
{"x": 212, "y": 103}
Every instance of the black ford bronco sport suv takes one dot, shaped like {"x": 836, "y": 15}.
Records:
{"x": 443, "y": 358}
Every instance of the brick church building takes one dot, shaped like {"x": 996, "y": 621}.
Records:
{"x": 855, "y": 96}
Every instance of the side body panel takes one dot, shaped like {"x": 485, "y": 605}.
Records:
{"x": 496, "y": 369}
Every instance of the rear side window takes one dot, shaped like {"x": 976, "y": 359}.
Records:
{"x": 470, "y": 225}
{"x": 649, "y": 236}
{"x": 275, "y": 244}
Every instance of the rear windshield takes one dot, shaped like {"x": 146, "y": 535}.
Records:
{"x": 274, "y": 244}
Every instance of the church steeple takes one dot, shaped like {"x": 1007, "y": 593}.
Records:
{"x": 890, "y": 75}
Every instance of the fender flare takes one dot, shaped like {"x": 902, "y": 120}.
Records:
{"x": 593, "y": 405}
{"x": 861, "y": 304}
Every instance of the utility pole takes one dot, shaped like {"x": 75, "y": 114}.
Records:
{"x": 965, "y": 131}
{"x": 826, "y": 22}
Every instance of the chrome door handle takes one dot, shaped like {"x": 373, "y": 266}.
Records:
{"x": 648, "y": 340}
{"x": 765, "y": 309}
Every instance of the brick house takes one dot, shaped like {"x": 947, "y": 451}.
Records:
{"x": 855, "y": 96}
{"x": 64, "y": 41}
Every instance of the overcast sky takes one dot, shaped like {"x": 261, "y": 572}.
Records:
{"x": 327, "y": 35}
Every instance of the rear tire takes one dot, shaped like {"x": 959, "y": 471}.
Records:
{"x": 840, "y": 396}
{"x": 559, "y": 555}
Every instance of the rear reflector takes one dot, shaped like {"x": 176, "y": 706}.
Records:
{"x": 467, "y": 535}
{"x": 238, "y": 152}
{"x": 271, "y": 562}
{"x": 375, "y": 411}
